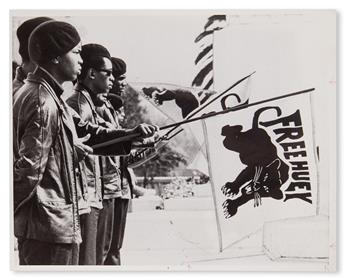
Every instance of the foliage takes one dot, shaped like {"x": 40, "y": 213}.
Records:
{"x": 135, "y": 114}
{"x": 163, "y": 164}
{"x": 167, "y": 158}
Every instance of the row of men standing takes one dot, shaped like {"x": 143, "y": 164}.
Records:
{"x": 70, "y": 201}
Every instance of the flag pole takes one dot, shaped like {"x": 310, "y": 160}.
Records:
{"x": 209, "y": 115}
{"x": 199, "y": 109}
{"x": 236, "y": 108}
{"x": 208, "y": 157}
{"x": 211, "y": 101}
{"x": 219, "y": 230}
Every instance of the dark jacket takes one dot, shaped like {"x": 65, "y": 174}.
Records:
{"x": 114, "y": 171}
{"x": 45, "y": 196}
{"x": 82, "y": 102}
{"x": 46, "y": 180}
{"x": 83, "y": 207}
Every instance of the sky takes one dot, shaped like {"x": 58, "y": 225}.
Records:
{"x": 157, "y": 46}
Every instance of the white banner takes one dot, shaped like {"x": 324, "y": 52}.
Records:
{"x": 263, "y": 165}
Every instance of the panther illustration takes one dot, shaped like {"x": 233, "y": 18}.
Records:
{"x": 265, "y": 172}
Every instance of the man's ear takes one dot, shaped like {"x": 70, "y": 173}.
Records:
{"x": 56, "y": 60}
{"x": 91, "y": 73}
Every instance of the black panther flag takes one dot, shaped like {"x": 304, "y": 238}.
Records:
{"x": 263, "y": 164}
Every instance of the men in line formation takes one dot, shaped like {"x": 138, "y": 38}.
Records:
{"x": 70, "y": 201}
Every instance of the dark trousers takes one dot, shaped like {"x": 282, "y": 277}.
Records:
{"x": 34, "y": 252}
{"x": 120, "y": 217}
{"x": 105, "y": 230}
{"x": 88, "y": 223}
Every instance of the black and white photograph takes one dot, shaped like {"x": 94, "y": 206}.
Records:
{"x": 173, "y": 140}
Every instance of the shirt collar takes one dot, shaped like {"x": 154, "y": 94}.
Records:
{"x": 87, "y": 92}
{"x": 43, "y": 73}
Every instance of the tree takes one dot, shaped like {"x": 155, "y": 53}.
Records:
{"x": 162, "y": 165}
{"x": 167, "y": 158}
{"x": 135, "y": 114}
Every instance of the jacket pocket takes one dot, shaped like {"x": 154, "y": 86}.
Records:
{"x": 53, "y": 221}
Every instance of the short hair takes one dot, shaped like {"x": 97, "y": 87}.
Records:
{"x": 95, "y": 62}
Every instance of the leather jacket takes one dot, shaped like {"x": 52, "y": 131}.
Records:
{"x": 46, "y": 180}
{"x": 112, "y": 181}
{"x": 45, "y": 196}
{"x": 83, "y": 207}
{"x": 83, "y": 103}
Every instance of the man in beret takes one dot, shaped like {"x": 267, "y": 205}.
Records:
{"x": 46, "y": 220}
{"x": 95, "y": 78}
{"x": 23, "y": 34}
{"x": 46, "y": 149}
{"x": 116, "y": 179}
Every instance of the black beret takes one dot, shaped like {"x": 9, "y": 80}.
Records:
{"x": 52, "y": 39}
{"x": 90, "y": 51}
{"x": 23, "y": 34}
{"x": 115, "y": 100}
{"x": 119, "y": 66}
